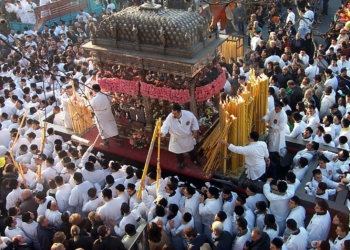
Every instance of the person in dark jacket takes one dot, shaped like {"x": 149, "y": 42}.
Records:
{"x": 106, "y": 241}
{"x": 196, "y": 240}
{"x": 223, "y": 238}
{"x": 28, "y": 203}
{"x": 260, "y": 240}
{"x": 296, "y": 95}
{"x": 45, "y": 233}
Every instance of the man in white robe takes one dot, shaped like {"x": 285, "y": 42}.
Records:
{"x": 110, "y": 210}
{"x": 182, "y": 126}
{"x": 104, "y": 119}
{"x": 277, "y": 120}
{"x": 29, "y": 11}
{"x": 29, "y": 227}
{"x": 53, "y": 214}
{"x": 256, "y": 155}
{"x": 297, "y": 236}
{"x": 67, "y": 99}
{"x": 320, "y": 224}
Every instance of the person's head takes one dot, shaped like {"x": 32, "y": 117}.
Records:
{"x": 130, "y": 229}
{"x": 261, "y": 206}
{"x": 253, "y": 136}
{"x": 292, "y": 225}
{"x": 282, "y": 186}
{"x": 294, "y": 202}
{"x": 312, "y": 145}
{"x": 270, "y": 221}
{"x": 213, "y": 193}
{"x": 42, "y": 221}
{"x": 176, "y": 111}
{"x": 107, "y": 194}
{"x": 256, "y": 234}
{"x": 190, "y": 233}
{"x": 323, "y": 245}
{"x": 103, "y": 231}
{"x": 278, "y": 106}
{"x": 251, "y": 190}
{"x": 154, "y": 232}
{"x": 342, "y": 229}
{"x": 307, "y": 132}
{"x": 339, "y": 218}
{"x": 59, "y": 237}
{"x": 276, "y": 244}
{"x": 321, "y": 206}
{"x": 217, "y": 228}
{"x": 220, "y": 216}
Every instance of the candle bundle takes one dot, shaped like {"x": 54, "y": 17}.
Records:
{"x": 259, "y": 88}
{"x": 236, "y": 120}
{"x": 81, "y": 116}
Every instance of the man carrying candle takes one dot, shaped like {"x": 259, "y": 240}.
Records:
{"x": 277, "y": 121}
{"x": 256, "y": 155}
{"x": 182, "y": 126}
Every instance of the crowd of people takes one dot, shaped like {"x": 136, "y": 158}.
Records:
{"x": 84, "y": 201}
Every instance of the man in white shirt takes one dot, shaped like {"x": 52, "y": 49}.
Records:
{"x": 255, "y": 40}
{"x": 342, "y": 232}
{"x": 343, "y": 63}
{"x": 291, "y": 15}
{"x": 94, "y": 202}
{"x": 256, "y": 155}
{"x": 15, "y": 195}
{"x": 62, "y": 194}
{"x": 253, "y": 197}
{"x": 299, "y": 126}
{"x": 304, "y": 57}
{"x": 110, "y": 211}
{"x": 129, "y": 217}
{"x": 209, "y": 208}
{"x": 334, "y": 45}
{"x": 78, "y": 196}
{"x": 311, "y": 118}
{"x": 12, "y": 230}
{"x": 312, "y": 70}
{"x": 297, "y": 238}
{"x": 320, "y": 224}
{"x": 279, "y": 201}
{"x": 297, "y": 213}
{"x": 277, "y": 121}
{"x": 243, "y": 234}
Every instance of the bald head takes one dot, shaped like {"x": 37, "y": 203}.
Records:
{"x": 26, "y": 194}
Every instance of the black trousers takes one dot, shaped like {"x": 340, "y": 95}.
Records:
{"x": 193, "y": 155}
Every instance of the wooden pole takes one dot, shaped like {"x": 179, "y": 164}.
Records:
{"x": 20, "y": 126}
{"x": 158, "y": 156}
{"x": 98, "y": 136}
{"x": 20, "y": 171}
{"x": 150, "y": 150}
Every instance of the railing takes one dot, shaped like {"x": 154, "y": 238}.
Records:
{"x": 57, "y": 9}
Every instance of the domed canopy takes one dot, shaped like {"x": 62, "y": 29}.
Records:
{"x": 168, "y": 28}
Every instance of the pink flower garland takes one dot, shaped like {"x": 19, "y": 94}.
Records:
{"x": 173, "y": 95}
{"x": 119, "y": 85}
{"x": 206, "y": 92}
{"x": 166, "y": 94}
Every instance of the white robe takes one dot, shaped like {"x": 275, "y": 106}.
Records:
{"x": 111, "y": 210}
{"x": 54, "y": 218}
{"x": 255, "y": 154}
{"x": 180, "y": 130}
{"x": 297, "y": 240}
{"x": 240, "y": 241}
{"x": 43, "y": 207}
{"x": 278, "y": 122}
{"x": 29, "y": 12}
{"x": 318, "y": 227}
{"x": 104, "y": 118}
{"x": 62, "y": 197}
{"x": 30, "y": 230}
{"x": 78, "y": 196}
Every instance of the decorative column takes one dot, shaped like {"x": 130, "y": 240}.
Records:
{"x": 193, "y": 103}
{"x": 147, "y": 106}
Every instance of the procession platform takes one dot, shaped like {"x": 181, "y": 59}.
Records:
{"x": 167, "y": 159}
